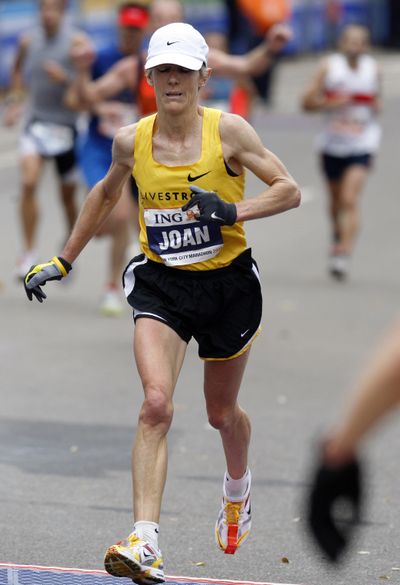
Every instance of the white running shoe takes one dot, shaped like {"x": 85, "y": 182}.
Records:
{"x": 234, "y": 522}
{"x": 339, "y": 266}
{"x": 111, "y": 305}
{"x": 24, "y": 263}
{"x": 135, "y": 559}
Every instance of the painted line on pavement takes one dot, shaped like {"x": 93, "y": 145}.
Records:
{"x": 73, "y": 573}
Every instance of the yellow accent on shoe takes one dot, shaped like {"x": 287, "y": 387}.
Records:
{"x": 234, "y": 521}
{"x": 129, "y": 559}
{"x": 232, "y": 511}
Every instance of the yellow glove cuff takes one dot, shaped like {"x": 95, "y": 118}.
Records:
{"x": 59, "y": 265}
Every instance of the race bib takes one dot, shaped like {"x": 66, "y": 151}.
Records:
{"x": 179, "y": 238}
{"x": 352, "y": 122}
{"x": 52, "y": 139}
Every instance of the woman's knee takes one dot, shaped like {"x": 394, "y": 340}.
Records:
{"x": 31, "y": 171}
{"x": 222, "y": 417}
{"x": 28, "y": 192}
{"x": 348, "y": 202}
{"x": 157, "y": 409}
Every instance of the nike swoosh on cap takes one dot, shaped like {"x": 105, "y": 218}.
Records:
{"x": 172, "y": 42}
{"x": 191, "y": 179}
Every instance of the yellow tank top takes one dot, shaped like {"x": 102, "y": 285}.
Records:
{"x": 174, "y": 237}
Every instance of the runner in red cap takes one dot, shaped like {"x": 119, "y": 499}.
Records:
{"x": 133, "y": 16}
{"x": 107, "y": 115}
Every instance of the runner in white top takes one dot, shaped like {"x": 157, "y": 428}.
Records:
{"x": 346, "y": 88}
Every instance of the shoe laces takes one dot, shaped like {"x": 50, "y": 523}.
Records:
{"x": 232, "y": 512}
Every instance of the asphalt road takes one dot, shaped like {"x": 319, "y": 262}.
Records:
{"x": 70, "y": 395}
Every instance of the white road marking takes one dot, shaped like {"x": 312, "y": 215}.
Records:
{"x": 194, "y": 580}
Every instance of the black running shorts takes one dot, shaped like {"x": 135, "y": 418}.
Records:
{"x": 65, "y": 162}
{"x": 220, "y": 308}
{"x": 334, "y": 166}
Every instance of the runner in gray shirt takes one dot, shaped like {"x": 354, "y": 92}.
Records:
{"x": 43, "y": 65}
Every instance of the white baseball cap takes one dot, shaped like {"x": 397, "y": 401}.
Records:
{"x": 177, "y": 44}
